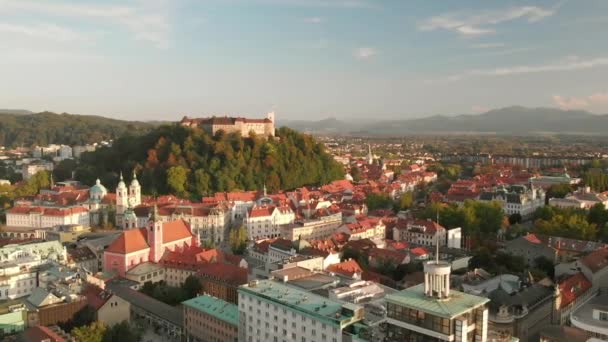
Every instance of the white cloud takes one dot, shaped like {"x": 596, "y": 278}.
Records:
{"x": 488, "y": 45}
{"x": 364, "y": 53}
{"x": 566, "y": 64}
{"x": 597, "y": 101}
{"x": 314, "y": 20}
{"x": 480, "y": 23}
{"x": 147, "y": 20}
{"x": 321, "y": 3}
{"x": 43, "y": 31}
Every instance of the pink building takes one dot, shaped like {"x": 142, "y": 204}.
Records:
{"x": 147, "y": 244}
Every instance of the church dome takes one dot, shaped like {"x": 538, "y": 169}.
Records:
{"x": 98, "y": 188}
{"x": 129, "y": 215}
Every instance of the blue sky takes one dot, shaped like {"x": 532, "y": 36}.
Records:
{"x": 304, "y": 59}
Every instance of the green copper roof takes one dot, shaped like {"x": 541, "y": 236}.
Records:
{"x": 309, "y": 303}
{"x": 215, "y": 307}
{"x": 456, "y": 305}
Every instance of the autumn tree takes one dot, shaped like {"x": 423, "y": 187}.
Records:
{"x": 93, "y": 332}
{"x": 238, "y": 240}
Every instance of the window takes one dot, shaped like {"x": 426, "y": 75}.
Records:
{"x": 603, "y": 316}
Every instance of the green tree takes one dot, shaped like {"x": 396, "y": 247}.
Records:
{"x": 238, "y": 240}
{"x": 123, "y": 332}
{"x": 558, "y": 191}
{"x": 378, "y": 201}
{"x": 406, "y": 200}
{"x": 192, "y": 286}
{"x": 176, "y": 179}
{"x": 90, "y": 333}
{"x": 64, "y": 169}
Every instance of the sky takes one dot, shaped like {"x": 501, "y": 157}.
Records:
{"x": 302, "y": 59}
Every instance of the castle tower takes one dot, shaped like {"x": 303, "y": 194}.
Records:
{"x": 122, "y": 196}
{"x": 271, "y": 116}
{"x": 155, "y": 235}
{"x": 370, "y": 156}
{"x": 134, "y": 191}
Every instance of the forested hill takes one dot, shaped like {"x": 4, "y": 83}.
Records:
{"x": 190, "y": 163}
{"x": 50, "y": 128}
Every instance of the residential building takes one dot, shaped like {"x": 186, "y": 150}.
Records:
{"x": 167, "y": 320}
{"x": 594, "y": 267}
{"x": 312, "y": 229}
{"x": 433, "y": 312}
{"x": 208, "y": 318}
{"x": 222, "y": 280}
{"x": 271, "y": 311}
{"x": 583, "y": 198}
{"x": 365, "y": 228}
{"x": 30, "y": 169}
{"x": 264, "y": 221}
{"x": 147, "y": 272}
{"x": 209, "y": 222}
{"x": 83, "y": 258}
{"x": 47, "y": 216}
{"x": 420, "y": 232}
{"x": 109, "y": 308}
{"x": 523, "y": 313}
{"x": 516, "y": 199}
{"x": 556, "y": 249}
{"x": 19, "y": 265}
{"x": 545, "y": 182}
{"x": 571, "y": 292}
{"x": 592, "y": 317}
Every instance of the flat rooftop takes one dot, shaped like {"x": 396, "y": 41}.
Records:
{"x": 584, "y": 314}
{"x": 314, "y": 282}
{"x": 454, "y": 306}
{"x": 215, "y": 307}
{"x": 306, "y": 302}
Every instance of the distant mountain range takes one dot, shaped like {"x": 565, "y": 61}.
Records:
{"x": 514, "y": 120}
{"x": 16, "y": 111}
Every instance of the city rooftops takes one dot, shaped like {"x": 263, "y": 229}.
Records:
{"x": 215, "y": 307}
{"x": 457, "y": 304}
{"x": 308, "y": 303}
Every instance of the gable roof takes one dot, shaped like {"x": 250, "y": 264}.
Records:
{"x": 572, "y": 288}
{"x": 346, "y": 268}
{"x": 596, "y": 260}
{"x": 129, "y": 241}
{"x": 175, "y": 230}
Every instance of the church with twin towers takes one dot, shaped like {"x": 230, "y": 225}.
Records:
{"x": 126, "y": 198}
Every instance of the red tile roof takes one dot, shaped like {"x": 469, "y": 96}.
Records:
{"x": 176, "y": 230}
{"x": 261, "y": 210}
{"x": 347, "y": 268}
{"x": 573, "y": 287}
{"x": 227, "y": 273}
{"x": 129, "y": 241}
{"x": 386, "y": 254}
{"x": 532, "y": 238}
{"x": 419, "y": 251}
{"x": 596, "y": 260}
{"x": 41, "y": 333}
{"x": 96, "y": 297}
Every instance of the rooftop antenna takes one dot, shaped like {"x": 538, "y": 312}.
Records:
{"x": 437, "y": 240}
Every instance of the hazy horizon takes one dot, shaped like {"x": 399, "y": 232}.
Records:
{"x": 303, "y": 59}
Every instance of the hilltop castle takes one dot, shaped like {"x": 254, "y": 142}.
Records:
{"x": 227, "y": 124}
